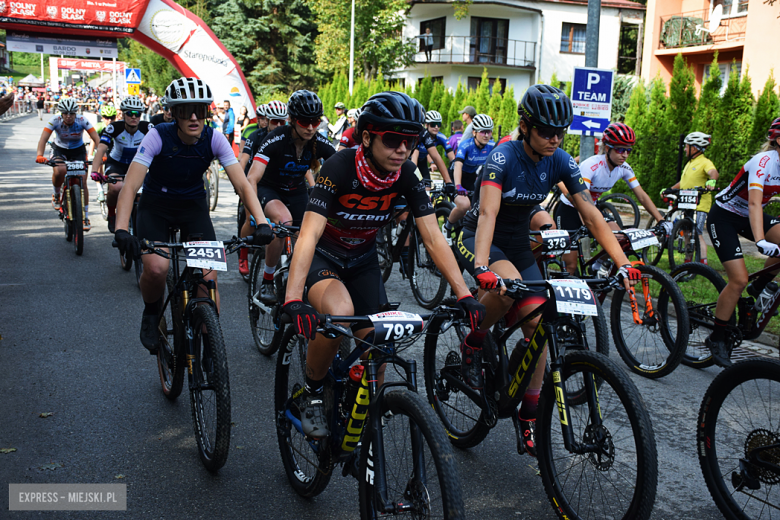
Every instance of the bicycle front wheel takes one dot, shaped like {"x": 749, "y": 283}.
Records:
{"x": 78, "y": 219}
{"x": 616, "y": 474}
{"x": 170, "y": 356}
{"x": 261, "y": 320}
{"x": 738, "y": 437}
{"x": 631, "y": 218}
{"x": 384, "y": 249}
{"x": 653, "y": 254}
{"x": 210, "y": 389}
{"x": 683, "y": 244}
{"x": 427, "y": 283}
{"x": 421, "y": 475}
{"x": 661, "y": 314}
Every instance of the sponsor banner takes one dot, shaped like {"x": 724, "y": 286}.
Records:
{"x": 93, "y": 65}
{"x": 92, "y": 15}
{"x": 22, "y": 42}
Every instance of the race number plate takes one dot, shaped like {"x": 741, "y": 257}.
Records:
{"x": 76, "y": 166}
{"x": 437, "y": 185}
{"x": 395, "y": 325}
{"x": 688, "y": 199}
{"x": 573, "y": 297}
{"x": 555, "y": 241}
{"x": 206, "y": 255}
{"x": 640, "y": 238}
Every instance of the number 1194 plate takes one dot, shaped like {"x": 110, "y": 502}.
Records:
{"x": 573, "y": 297}
{"x": 206, "y": 255}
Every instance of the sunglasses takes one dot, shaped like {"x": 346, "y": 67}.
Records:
{"x": 394, "y": 140}
{"x": 435, "y": 125}
{"x": 622, "y": 151}
{"x": 306, "y": 122}
{"x": 200, "y": 110}
{"x": 279, "y": 121}
{"x": 132, "y": 113}
{"x": 69, "y": 113}
{"x": 547, "y": 133}
{"x": 485, "y": 132}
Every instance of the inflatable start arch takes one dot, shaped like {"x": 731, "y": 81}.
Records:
{"x": 161, "y": 25}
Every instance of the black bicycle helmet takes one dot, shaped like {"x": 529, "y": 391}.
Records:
{"x": 544, "y": 105}
{"x": 391, "y": 111}
{"x": 304, "y": 103}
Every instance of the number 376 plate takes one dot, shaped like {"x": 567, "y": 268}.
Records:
{"x": 206, "y": 255}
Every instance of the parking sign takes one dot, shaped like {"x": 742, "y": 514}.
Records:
{"x": 591, "y": 95}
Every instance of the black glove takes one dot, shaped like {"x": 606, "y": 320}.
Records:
{"x": 449, "y": 189}
{"x": 128, "y": 244}
{"x": 473, "y": 309}
{"x": 304, "y": 317}
{"x": 263, "y": 235}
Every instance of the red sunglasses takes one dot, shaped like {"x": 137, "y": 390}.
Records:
{"x": 306, "y": 122}
{"x": 394, "y": 140}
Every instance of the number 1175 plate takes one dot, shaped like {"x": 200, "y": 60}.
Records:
{"x": 206, "y": 255}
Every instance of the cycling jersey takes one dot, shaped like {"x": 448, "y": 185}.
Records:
{"x": 176, "y": 169}
{"x": 348, "y": 138}
{"x": 71, "y": 136}
{"x": 125, "y": 144}
{"x": 428, "y": 140}
{"x": 599, "y": 179}
{"x": 762, "y": 172}
{"x": 158, "y": 119}
{"x": 472, "y": 157}
{"x": 695, "y": 175}
{"x": 252, "y": 143}
{"x": 284, "y": 169}
{"x": 355, "y": 213}
{"x": 248, "y": 130}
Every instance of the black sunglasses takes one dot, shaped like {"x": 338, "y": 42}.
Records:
{"x": 548, "y": 132}
{"x": 200, "y": 110}
{"x": 437, "y": 125}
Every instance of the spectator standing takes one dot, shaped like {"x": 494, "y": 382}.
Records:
{"x": 467, "y": 114}
{"x": 340, "y": 125}
{"x": 243, "y": 120}
{"x": 39, "y": 106}
{"x": 427, "y": 40}
{"x": 230, "y": 122}
{"x": 456, "y": 129}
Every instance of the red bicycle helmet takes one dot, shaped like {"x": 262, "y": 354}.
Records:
{"x": 619, "y": 135}
{"x": 774, "y": 130}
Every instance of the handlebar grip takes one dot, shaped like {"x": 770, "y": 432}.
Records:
{"x": 114, "y": 243}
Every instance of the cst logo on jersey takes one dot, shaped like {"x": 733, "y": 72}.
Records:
{"x": 355, "y": 201}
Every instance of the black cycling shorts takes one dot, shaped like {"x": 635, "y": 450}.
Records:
{"x": 116, "y": 167}
{"x": 536, "y": 209}
{"x": 523, "y": 260}
{"x": 567, "y": 217}
{"x": 295, "y": 201}
{"x": 467, "y": 180}
{"x": 724, "y": 227}
{"x": 157, "y": 213}
{"x": 361, "y": 277}
{"x": 69, "y": 154}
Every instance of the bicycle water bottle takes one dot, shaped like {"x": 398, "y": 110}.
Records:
{"x": 764, "y": 300}
{"x": 517, "y": 355}
{"x": 357, "y": 397}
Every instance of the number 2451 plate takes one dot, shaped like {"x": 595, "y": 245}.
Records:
{"x": 206, "y": 255}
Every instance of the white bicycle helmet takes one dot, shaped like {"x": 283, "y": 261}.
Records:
{"x": 188, "y": 90}
{"x": 698, "y": 139}
{"x": 68, "y": 105}
{"x": 132, "y": 103}
{"x": 262, "y": 110}
{"x": 482, "y": 122}
{"x": 276, "y": 110}
{"x": 432, "y": 116}
{"x": 354, "y": 113}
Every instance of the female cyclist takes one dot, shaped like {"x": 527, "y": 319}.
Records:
{"x": 517, "y": 176}
{"x": 738, "y": 212}
{"x": 600, "y": 173}
{"x": 429, "y": 140}
{"x": 170, "y": 164}
{"x": 284, "y": 163}
{"x": 336, "y": 258}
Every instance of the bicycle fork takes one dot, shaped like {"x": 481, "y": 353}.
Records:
{"x": 649, "y": 312}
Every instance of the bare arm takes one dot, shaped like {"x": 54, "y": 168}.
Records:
{"x": 441, "y": 254}
{"x": 451, "y": 156}
{"x": 311, "y": 230}
{"x": 243, "y": 158}
{"x": 124, "y": 206}
{"x": 97, "y": 162}
{"x": 246, "y": 191}
{"x": 42, "y": 141}
{"x": 756, "y": 213}
{"x": 489, "y": 203}
{"x": 713, "y": 174}
{"x": 310, "y": 178}
{"x": 563, "y": 189}
{"x": 595, "y": 222}
{"x": 94, "y": 136}
{"x": 647, "y": 203}
{"x": 256, "y": 173}
{"x": 457, "y": 172}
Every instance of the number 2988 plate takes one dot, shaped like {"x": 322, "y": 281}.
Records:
{"x": 206, "y": 255}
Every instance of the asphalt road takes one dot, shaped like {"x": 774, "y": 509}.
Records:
{"x": 70, "y": 346}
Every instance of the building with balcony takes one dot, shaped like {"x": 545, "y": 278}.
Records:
{"x": 520, "y": 42}
{"x": 683, "y": 26}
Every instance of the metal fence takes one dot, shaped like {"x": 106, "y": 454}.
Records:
{"x": 482, "y": 50}
{"x": 18, "y": 109}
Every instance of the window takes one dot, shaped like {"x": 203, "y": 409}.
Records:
{"x": 573, "y": 38}
{"x": 474, "y": 82}
{"x": 488, "y": 40}
{"x": 434, "y": 79}
{"x": 438, "y": 30}
{"x": 732, "y": 7}
{"x": 725, "y": 72}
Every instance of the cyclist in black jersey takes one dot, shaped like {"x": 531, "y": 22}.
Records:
{"x": 335, "y": 257}
{"x": 170, "y": 164}
{"x": 287, "y": 158}
{"x": 517, "y": 176}
{"x": 254, "y": 133}
{"x": 277, "y": 116}
{"x": 165, "y": 117}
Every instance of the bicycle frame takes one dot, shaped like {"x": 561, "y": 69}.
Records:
{"x": 750, "y": 327}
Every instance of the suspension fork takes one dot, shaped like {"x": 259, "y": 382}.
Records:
{"x": 645, "y": 293}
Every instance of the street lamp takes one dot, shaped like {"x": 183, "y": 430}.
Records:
{"x": 352, "y": 50}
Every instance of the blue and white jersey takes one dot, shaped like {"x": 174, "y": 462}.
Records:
{"x": 472, "y": 156}
{"x": 125, "y": 144}
{"x": 68, "y": 136}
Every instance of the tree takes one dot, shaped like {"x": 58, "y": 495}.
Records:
{"x": 444, "y": 109}
{"x": 709, "y": 100}
{"x": 636, "y": 118}
{"x": 457, "y": 103}
{"x": 509, "y": 111}
{"x": 378, "y": 46}
{"x": 481, "y": 101}
{"x": 436, "y": 96}
{"x": 494, "y": 106}
{"x": 652, "y": 129}
{"x": 731, "y": 134}
{"x": 423, "y": 91}
{"x": 621, "y": 96}
{"x": 767, "y": 109}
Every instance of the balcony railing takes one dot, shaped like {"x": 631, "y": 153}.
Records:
{"x": 478, "y": 50}
{"x": 689, "y": 30}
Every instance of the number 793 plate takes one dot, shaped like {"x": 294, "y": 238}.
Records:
{"x": 395, "y": 325}
{"x": 206, "y": 255}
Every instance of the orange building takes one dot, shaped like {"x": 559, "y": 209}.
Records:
{"x": 683, "y": 26}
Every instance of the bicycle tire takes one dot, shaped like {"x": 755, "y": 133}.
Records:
{"x": 701, "y": 285}
{"x": 653, "y": 254}
{"x": 125, "y": 259}
{"x": 736, "y": 396}
{"x": 677, "y": 247}
{"x": 427, "y": 283}
{"x": 620, "y": 406}
{"x": 608, "y": 210}
{"x": 212, "y": 186}
{"x": 638, "y": 345}
{"x": 384, "y": 249}
{"x": 210, "y": 394}
{"x": 261, "y": 322}
{"x": 462, "y": 418}
{"x": 171, "y": 357}
{"x": 139, "y": 265}
{"x": 66, "y": 221}
{"x": 624, "y": 199}
{"x": 439, "y": 495}
{"x": 310, "y": 474}
{"x": 104, "y": 210}
{"x": 78, "y": 219}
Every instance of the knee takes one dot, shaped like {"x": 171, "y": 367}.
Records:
{"x": 737, "y": 283}
{"x": 156, "y": 270}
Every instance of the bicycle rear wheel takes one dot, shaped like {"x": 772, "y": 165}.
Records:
{"x": 384, "y": 249}
{"x": 421, "y": 474}
{"x": 462, "y": 418}
{"x": 210, "y": 389}
{"x": 427, "y": 283}
{"x": 306, "y": 462}
{"x": 738, "y": 437}
{"x": 261, "y": 320}
{"x": 171, "y": 357}
{"x": 700, "y": 285}
{"x": 78, "y": 219}
{"x": 631, "y": 220}
{"x": 664, "y": 316}
{"x": 609, "y": 211}
{"x": 617, "y": 478}
{"x": 683, "y": 244}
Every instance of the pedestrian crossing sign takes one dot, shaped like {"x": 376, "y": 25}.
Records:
{"x": 133, "y": 76}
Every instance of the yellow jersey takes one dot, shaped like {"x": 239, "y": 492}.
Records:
{"x": 695, "y": 174}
